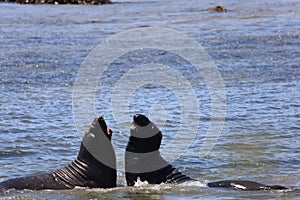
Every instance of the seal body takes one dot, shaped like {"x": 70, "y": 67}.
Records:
{"x": 143, "y": 161}
{"x": 84, "y": 171}
{"x": 142, "y": 158}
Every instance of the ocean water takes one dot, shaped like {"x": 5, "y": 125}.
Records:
{"x": 254, "y": 46}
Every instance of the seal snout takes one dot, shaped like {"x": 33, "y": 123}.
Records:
{"x": 141, "y": 120}
{"x": 107, "y": 130}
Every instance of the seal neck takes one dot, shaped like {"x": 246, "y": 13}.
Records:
{"x": 144, "y": 145}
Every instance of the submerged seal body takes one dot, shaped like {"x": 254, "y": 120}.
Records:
{"x": 84, "y": 171}
{"x": 143, "y": 161}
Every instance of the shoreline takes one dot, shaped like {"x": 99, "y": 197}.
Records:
{"x": 83, "y": 2}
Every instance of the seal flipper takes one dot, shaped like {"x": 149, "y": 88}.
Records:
{"x": 85, "y": 171}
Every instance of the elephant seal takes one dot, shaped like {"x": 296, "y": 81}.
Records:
{"x": 143, "y": 161}
{"x": 84, "y": 171}
{"x": 142, "y": 157}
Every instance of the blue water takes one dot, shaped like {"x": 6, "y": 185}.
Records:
{"x": 255, "y": 46}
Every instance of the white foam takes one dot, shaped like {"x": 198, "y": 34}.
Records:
{"x": 194, "y": 184}
{"x": 140, "y": 183}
